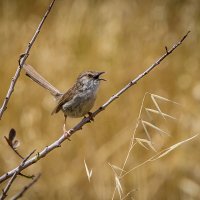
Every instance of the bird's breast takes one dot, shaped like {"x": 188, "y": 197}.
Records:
{"x": 80, "y": 104}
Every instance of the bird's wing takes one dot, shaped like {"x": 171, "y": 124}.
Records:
{"x": 65, "y": 98}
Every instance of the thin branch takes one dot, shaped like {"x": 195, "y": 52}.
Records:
{"x": 21, "y": 193}
{"x": 5, "y": 190}
{"x": 27, "y": 176}
{"x": 23, "y": 58}
{"x": 17, "y": 152}
{"x": 14, "y": 176}
{"x": 86, "y": 120}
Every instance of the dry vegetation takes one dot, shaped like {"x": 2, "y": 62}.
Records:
{"x": 121, "y": 38}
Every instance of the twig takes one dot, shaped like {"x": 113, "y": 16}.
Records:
{"x": 27, "y": 176}
{"x": 21, "y": 193}
{"x": 86, "y": 120}
{"x": 17, "y": 152}
{"x": 14, "y": 176}
{"x": 22, "y": 60}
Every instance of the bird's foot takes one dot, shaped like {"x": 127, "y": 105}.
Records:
{"x": 90, "y": 116}
{"x": 66, "y": 133}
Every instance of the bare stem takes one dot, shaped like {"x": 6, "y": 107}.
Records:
{"x": 21, "y": 193}
{"x": 14, "y": 176}
{"x": 22, "y": 60}
{"x": 86, "y": 120}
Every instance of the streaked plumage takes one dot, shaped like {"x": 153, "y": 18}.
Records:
{"x": 79, "y": 99}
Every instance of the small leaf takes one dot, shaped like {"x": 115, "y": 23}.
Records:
{"x": 145, "y": 129}
{"x": 142, "y": 142}
{"x": 154, "y": 127}
{"x": 165, "y": 99}
{"x": 12, "y": 134}
{"x": 171, "y": 148}
{"x": 11, "y": 139}
{"x": 156, "y": 104}
{"x": 114, "y": 168}
{"x": 118, "y": 186}
{"x": 156, "y": 112}
{"x": 15, "y": 144}
{"x": 88, "y": 172}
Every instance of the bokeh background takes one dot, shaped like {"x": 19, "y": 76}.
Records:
{"x": 123, "y": 38}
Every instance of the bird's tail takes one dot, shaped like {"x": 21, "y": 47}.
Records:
{"x": 35, "y": 76}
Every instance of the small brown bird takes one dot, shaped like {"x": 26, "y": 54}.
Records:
{"x": 79, "y": 99}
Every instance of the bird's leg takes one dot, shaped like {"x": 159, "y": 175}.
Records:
{"x": 65, "y": 119}
{"x": 64, "y": 127}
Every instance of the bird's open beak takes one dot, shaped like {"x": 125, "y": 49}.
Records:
{"x": 98, "y": 75}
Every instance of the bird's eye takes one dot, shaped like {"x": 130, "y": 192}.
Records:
{"x": 90, "y": 75}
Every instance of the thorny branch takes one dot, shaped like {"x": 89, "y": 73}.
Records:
{"x": 86, "y": 120}
{"x": 21, "y": 193}
{"x": 22, "y": 60}
{"x": 14, "y": 176}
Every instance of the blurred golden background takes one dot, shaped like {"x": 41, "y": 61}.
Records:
{"x": 122, "y": 38}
